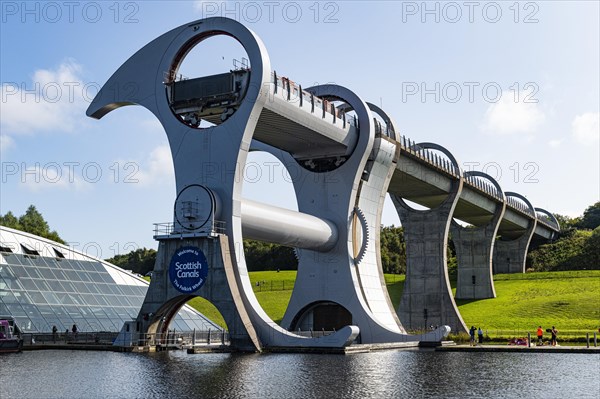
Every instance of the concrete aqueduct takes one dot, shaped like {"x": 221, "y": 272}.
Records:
{"x": 349, "y": 154}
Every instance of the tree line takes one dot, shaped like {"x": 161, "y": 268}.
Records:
{"x": 577, "y": 247}
{"x": 259, "y": 255}
{"x": 32, "y": 222}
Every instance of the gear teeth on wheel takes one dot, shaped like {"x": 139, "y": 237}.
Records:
{"x": 365, "y": 229}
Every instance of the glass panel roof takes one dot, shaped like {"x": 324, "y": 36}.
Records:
{"x": 41, "y": 292}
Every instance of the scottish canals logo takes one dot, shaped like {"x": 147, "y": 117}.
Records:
{"x": 188, "y": 269}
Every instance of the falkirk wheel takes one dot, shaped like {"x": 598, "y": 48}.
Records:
{"x": 345, "y": 164}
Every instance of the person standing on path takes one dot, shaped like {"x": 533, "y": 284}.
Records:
{"x": 480, "y": 335}
{"x": 472, "y": 334}
{"x": 554, "y": 333}
{"x": 540, "y": 335}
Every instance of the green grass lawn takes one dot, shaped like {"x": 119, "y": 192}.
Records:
{"x": 273, "y": 281}
{"x": 207, "y": 309}
{"x": 274, "y": 303}
{"x": 568, "y": 300}
{"x": 395, "y": 284}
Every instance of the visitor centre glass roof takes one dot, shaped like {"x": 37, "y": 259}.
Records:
{"x": 45, "y": 284}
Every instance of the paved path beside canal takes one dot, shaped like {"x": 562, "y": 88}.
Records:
{"x": 517, "y": 348}
{"x": 447, "y": 346}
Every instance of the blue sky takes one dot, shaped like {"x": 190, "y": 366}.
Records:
{"x": 510, "y": 88}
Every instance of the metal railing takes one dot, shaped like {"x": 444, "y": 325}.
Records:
{"x": 168, "y": 228}
{"x": 519, "y": 206}
{"x": 382, "y": 128}
{"x": 481, "y": 185}
{"x": 292, "y": 91}
{"x": 79, "y": 338}
{"x": 184, "y": 339}
{"x": 171, "y": 338}
{"x": 547, "y": 221}
{"x": 327, "y": 109}
{"x": 272, "y": 285}
{"x": 445, "y": 165}
{"x": 428, "y": 156}
{"x": 313, "y": 333}
{"x": 163, "y": 228}
{"x": 172, "y": 76}
{"x": 590, "y": 338}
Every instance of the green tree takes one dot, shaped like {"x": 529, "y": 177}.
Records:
{"x": 259, "y": 256}
{"x": 393, "y": 249}
{"x": 10, "y": 220}
{"x": 32, "y": 222}
{"x": 591, "y": 250}
{"x": 140, "y": 261}
{"x": 567, "y": 253}
{"x": 591, "y": 217}
{"x": 567, "y": 224}
{"x": 452, "y": 261}
{"x": 267, "y": 256}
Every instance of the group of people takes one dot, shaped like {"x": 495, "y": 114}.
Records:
{"x": 553, "y": 334}
{"x": 479, "y": 332}
{"x": 74, "y": 330}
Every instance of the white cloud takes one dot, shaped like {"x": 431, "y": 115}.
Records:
{"x": 157, "y": 168}
{"x": 508, "y": 116}
{"x": 586, "y": 127}
{"x": 52, "y": 176}
{"x": 555, "y": 143}
{"x": 53, "y": 100}
{"x": 6, "y": 143}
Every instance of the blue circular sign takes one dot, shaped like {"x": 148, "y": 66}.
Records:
{"x": 188, "y": 269}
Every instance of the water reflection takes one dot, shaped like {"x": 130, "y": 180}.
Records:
{"x": 398, "y": 374}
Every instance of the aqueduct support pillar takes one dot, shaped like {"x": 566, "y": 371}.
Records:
{"x": 510, "y": 256}
{"x": 427, "y": 297}
{"x": 474, "y": 249}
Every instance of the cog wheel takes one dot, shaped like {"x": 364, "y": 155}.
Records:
{"x": 358, "y": 214}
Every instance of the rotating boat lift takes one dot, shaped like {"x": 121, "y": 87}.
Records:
{"x": 346, "y": 160}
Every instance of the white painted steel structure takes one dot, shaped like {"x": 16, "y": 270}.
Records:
{"x": 348, "y": 162}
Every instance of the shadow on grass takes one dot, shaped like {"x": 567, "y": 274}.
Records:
{"x": 460, "y": 302}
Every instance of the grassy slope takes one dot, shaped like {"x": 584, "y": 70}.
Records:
{"x": 273, "y": 295}
{"x": 569, "y": 300}
{"x": 207, "y": 309}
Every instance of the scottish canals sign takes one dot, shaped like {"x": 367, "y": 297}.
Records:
{"x": 188, "y": 269}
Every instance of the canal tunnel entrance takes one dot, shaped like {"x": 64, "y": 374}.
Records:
{"x": 322, "y": 316}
